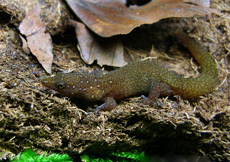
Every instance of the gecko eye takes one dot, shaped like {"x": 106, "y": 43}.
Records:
{"x": 61, "y": 85}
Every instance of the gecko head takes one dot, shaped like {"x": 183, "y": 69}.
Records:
{"x": 53, "y": 82}
{"x": 71, "y": 84}
{"x": 61, "y": 82}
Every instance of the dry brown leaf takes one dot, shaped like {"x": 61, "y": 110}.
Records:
{"x": 112, "y": 17}
{"x": 107, "y": 51}
{"x": 25, "y": 47}
{"x": 39, "y": 42}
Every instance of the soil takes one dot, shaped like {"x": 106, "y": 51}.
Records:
{"x": 32, "y": 116}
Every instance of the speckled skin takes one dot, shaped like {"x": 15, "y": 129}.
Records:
{"x": 141, "y": 77}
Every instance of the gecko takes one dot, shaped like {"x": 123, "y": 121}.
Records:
{"x": 140, "y": 77}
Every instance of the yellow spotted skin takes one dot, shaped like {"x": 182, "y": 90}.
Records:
{"x": 141, "y": 77}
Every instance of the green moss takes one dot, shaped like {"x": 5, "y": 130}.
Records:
{"x": 116, "y": 157}
{"x": 30, "y": 156}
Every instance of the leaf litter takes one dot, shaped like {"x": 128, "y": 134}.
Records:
{"x": 107, "y": 18}
{"x": 107, "y": 51}
{"x": 111, "y": 17}
{"x": 38, "y": 42}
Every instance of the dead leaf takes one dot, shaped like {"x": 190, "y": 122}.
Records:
{"x": 39, "y": 42}
{"x": 112, "y": 17}
{"x": 107, "y": 51}
{"x": 25, "y": 47}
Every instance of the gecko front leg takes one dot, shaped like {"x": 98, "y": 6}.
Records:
{"x": 109, "y": 104}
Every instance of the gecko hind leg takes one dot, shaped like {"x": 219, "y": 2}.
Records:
{"x": 157, "y": 90}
